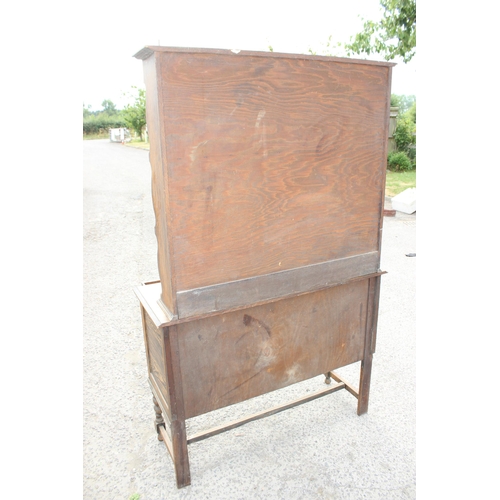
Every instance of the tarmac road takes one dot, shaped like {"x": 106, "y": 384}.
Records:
{"x": 319, "y": 450}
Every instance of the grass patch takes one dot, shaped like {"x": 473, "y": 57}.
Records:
{"x": 89, "y": 137}
{"x": 397, "y": 182}
{"x": 136, "y": 143}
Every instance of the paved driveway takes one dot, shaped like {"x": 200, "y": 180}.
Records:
{"x": 320, "y": 450}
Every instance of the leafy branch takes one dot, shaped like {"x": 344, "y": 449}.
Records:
{"x": 394, "y": 35}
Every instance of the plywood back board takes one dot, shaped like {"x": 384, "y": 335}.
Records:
{"x": 270, "y": 162}
{"x": 232, "y": 357}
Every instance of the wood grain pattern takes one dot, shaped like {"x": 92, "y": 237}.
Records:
{"x": 228, "y": 358}
{"x": 157, "y": 367}
{"x": 268, "y": 175}
{"x": 159, "y": 185}
{"x": 150, "y": 50}
{"x": 227, "y": 296}
{"x": 150, "y": 298}
{"x": 178, "y": 422}
{"x": 273, "y": 164}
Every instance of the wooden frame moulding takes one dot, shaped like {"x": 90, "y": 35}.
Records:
{"x": 169, "y": 407}
{"x": 268, "y": 179}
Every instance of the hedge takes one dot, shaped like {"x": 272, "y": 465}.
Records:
{"x": 97, "y": 124}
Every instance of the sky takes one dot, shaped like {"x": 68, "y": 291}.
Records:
{"x": 112, "y": 35}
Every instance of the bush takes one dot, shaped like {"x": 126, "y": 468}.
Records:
{"x": 101, "y": 123}
{"x": 412, "y": 113}
{"x": 412, "y": 155}
{"x": 403, "y": 134}
{"x": 405, "y": 137}
{"x": 398, "y": 161}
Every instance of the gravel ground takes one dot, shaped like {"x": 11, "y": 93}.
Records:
{"x": 320, "y": 450}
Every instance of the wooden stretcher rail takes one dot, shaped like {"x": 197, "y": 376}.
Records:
{"x": 266, "y": 413}
{"x": 341, "y": 384}
{"x": 348, "y": 387}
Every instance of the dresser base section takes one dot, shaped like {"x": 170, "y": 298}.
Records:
{"x": 203, "y": 364}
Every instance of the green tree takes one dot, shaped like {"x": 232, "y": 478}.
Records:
{"x": 394, "y": 35}
{"x": 134, "y": 114}
{"x": 412, "y": 113}
{"x": 109, "y": 107}
{"x": 405, "y": 137}
{"x": 87, "y": 110}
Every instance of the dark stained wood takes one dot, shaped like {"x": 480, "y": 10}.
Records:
{"x": 159, "y": 185}
{"x": 150, "y": 50}
{"x": 167, "y": 439}
{"x": 246, "y": 353}
{"x": 364, "y": 385}
{"x": 264, "y": 155}
{"x": 374, "y": 323}
{"x": 159, "y": 422}
{"x": 266, "y": 413}
{"x": 143, "y": 320}
{"x": 150, "y": 296}
{"x": 165, "y": 409}
{"x": 261, "y": 163}
{"x": 227, "y": 296}
{"x": 157, "y": 367}
{"x": 349, "y": 388}
{"x": 268, "y": 179}
{"x": 366, "y": 362}
{"x": 178, "y": 421}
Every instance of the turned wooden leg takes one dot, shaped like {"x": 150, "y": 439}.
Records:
{"x": 159, "y": 419}
{"x": 328, "y": 378}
